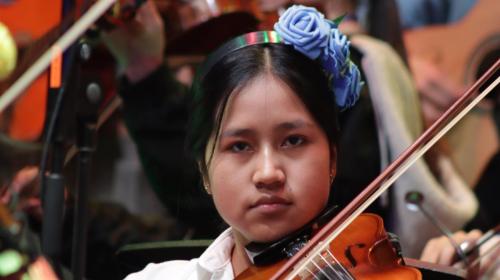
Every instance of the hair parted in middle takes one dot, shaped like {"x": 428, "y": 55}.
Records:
{"x": 307, "y": 52}
{"x": 233, "y": 72}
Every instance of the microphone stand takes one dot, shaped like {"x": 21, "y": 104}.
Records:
{"x": 76, "y": 123}
{"x": 414, "y": 202}
{"x": 87, "y": 105}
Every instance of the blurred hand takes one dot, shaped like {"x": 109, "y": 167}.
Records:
{"x": 24, "y": 192}
{"x": 439, "y": 250}
{"x": 437, "y": 90}
{"x": 138, "y": 46}
{"x": 490, "y": 265}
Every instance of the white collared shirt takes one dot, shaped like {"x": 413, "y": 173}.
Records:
{"x": 213, "y": 264}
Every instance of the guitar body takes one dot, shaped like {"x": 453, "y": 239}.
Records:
{"x": 457, "y": 50}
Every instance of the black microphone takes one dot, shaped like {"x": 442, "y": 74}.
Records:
{"x": 414, "y": 201}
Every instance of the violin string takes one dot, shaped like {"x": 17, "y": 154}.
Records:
{"x": 346, "y": 272}
{"x": 490, "y": 250}
{"x": 312, "y": 273}
{"x": 333, "y": 268}
{"x": 332, "y": 272}
{"x": 321, "y": 270}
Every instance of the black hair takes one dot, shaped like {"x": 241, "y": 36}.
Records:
{"x": 384, "y": 23}
{"x": 303, "y": 75}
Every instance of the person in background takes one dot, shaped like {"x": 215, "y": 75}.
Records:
{"x": 420, "y": 13}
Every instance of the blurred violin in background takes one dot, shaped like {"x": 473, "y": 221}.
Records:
{"x": 24, "y": 121}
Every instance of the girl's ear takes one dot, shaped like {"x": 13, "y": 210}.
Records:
{"x": 204, "y": 176}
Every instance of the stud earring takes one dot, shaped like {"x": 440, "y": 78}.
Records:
{"x": 206, "y": 186}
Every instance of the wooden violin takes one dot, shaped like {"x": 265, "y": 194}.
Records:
{"x": 24, "y": 121}
{"x": 362, "y": 251}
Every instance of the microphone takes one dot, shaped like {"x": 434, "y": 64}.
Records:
{"x": 8, "y": 52}
{"x": 414, "y": 203}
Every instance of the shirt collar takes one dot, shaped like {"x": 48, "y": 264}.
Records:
{"x": 217, "y": 257}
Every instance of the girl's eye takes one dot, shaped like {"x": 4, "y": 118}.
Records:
{"x": 293, "y": 141}
{"x": 239, "y": 147}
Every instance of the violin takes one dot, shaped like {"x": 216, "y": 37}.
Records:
{"x": 362, "y": 251}
{"x": 354, "y": 245}
{"x": 25, "y": 119}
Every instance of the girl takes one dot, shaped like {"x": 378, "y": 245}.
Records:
{"x": 264, "y": 133}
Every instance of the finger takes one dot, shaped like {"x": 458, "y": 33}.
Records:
{"x": 447, "y": 254}
{"x": 474, "y": 235}
{"x": 433, "y": 92}
{"x": 470, "y": 239}
{"x": 432, "y": 250}
{"x": 24, "y": 177}
{"x": 31, "y": 203}
{"x": 430, "y": 112}
{"x": 441, "y": 250}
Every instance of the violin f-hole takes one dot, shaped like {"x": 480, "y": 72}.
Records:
{"x": 348, "y": 253}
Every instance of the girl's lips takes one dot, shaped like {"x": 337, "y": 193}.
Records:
{"x": 269, "y": 200}
{"x": 270, "y": 204}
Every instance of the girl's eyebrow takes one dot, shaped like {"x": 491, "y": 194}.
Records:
{"x": 236, "y": 132}
{"x": 296, "y": 124}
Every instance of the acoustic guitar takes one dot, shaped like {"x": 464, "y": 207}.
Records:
{"x": 458, "y": 50}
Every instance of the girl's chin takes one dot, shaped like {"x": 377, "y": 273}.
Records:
{"x": 266, "y": 237}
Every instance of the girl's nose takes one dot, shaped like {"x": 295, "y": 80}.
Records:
{"x": 268, "y": 171}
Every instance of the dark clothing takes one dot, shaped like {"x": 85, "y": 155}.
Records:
{"x": 156, "y": 113}
{"x": 488, "y": 193}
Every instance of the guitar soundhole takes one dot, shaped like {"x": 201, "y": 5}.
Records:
{"x": 487, "y": 61}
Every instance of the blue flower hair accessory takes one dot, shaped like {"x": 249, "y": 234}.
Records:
{"x": 310, "y": 33}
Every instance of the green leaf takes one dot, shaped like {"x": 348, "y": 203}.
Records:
{"x": 339, "y": 19}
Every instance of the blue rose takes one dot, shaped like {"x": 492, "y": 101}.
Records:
{"x": 347, "y": 86}
{"x": 305, "y": 28}
{"x": 337, "y": 50}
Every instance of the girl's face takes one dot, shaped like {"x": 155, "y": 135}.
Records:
{"x": 270, "y": 170}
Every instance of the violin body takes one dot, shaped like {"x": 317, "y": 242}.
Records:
{"x": 363, "y": 249}
{"x": 24, "y": 120}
